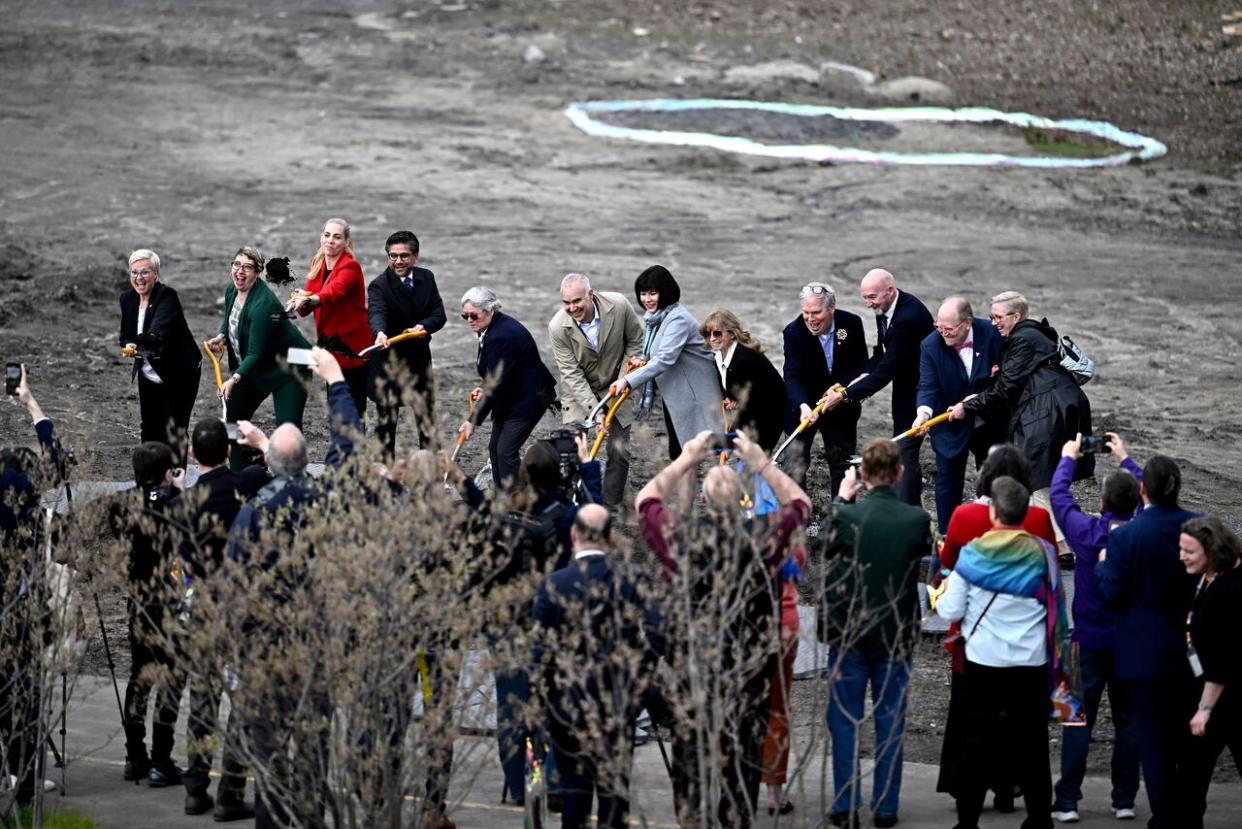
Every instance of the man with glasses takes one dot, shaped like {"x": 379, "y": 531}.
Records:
{"x": 824, "y": 347}
{"x": 902, "y": 321}
{"x": 403, "y": 297}
{"x": 957, "y": 360}
{"x": 592, "y": 336}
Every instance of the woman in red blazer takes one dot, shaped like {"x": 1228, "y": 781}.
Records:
{"x": 336, "y": 292}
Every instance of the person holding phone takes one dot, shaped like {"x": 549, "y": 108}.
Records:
{"x": 167, "y": 362}
{"x": 255, "y": 333}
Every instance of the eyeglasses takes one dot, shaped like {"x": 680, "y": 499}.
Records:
{"x": 142, "y": 274}
{"x": 245, "y": 267}
{"x": 714, "y": 334}
{"x": 999, "y": 317}
{"x": 945, "y": 329}
{"x": 472, "y": 316}
{"x": 400, "y": 257}
{"x": 815, "y": 289}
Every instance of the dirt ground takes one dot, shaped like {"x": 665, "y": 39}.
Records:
{"x": 196, "y": 128}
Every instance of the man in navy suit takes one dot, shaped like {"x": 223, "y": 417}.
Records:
{"x": 517, "y": 387}
{"x": 956, "y": 361}
{"x": 901, "y": 321}
{"x": 596, "y": 645}
{"x": 1143, "y": 580}
{"x": 824, "y": 348}
{"x": 403, "y": 297}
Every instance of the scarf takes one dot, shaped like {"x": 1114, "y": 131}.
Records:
{"x": 652, "y": 321}
{"x": 1015, "y": 562}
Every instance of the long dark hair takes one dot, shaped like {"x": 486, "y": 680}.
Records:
{"x": 539, "y": 476}
{"x": 1004, "y": 461}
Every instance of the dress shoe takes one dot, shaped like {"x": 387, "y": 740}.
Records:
{"x": 228, "y": 810}
{"x": 884, "y": 821}
{"x": 198, "y": 803}
{"x": 845, "y": 820}
{"x": 163, "y": 775}
{"x": 1003, "y": 803}
{"x": 137, "y": 769}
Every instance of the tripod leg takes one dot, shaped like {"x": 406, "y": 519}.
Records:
{"x": 116, "y": 689}
{"x": 64, "y": 730}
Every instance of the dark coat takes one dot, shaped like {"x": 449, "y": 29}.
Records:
{"x": 207, "y": 510}
{"x": 263, "y": 332}
{"x": 753, "y": 381}
{"x": 165, "y": 340}
{"x": 1047, "y": 406}
{"x": 896, "y": 360}
{"x": 1143, "y": 580}
{"x": 516, "y": 383}
{"x": 943, "y": 383}
{"x": 392, "y": 308}
{"x": 806, "y": 369}
{"x": 871, "y": 579}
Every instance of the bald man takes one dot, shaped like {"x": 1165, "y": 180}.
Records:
{"x": 902, "y": 322}
{"x": 725, "y": 559}
{"x": 596, "y": 605}
{"x": 956, "y": 361}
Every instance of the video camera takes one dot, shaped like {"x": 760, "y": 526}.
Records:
{"x": 564, "y": 442}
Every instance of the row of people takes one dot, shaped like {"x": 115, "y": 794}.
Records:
{"x": 998, "y": 377}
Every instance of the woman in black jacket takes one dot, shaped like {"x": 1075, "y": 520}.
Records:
{"x": 1211, "y": 551}
{"x": 167, "y": 362}
{"x": 753, "y": 389}
{"x": 1047, "y": 407}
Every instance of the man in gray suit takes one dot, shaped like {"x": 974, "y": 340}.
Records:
{"x": 592, "y": 336}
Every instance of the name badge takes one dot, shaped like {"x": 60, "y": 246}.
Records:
{"x": 1196, "y": 666}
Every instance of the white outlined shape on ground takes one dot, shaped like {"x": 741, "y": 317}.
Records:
{"x": 1137, "y": 147}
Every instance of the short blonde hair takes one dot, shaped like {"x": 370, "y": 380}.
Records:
{"x": 1014, "y": 303}
{"x": 143, "y": 253}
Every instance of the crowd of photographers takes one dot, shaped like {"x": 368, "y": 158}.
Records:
{"x": 583, "y": 636}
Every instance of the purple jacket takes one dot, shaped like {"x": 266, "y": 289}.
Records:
{"x": 1086, "y": 536}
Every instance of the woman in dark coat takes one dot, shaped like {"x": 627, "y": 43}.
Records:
{"x": 167, "y": 362}
{"x": 753, "y": 389}
{"x": 1211, "y": 551}
{"x": 1047, "y": 406}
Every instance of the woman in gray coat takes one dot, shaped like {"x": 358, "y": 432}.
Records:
{"x": 677, "y": 362}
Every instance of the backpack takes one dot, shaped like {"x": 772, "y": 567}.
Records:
{"x": 530, "y": 540}
{"x": 1075, "y": 361}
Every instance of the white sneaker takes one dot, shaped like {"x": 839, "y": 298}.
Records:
{"x": 1123, "y": 814}
{"x": 1068, "y": 816}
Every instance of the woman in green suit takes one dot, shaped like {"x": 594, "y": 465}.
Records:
{"x": 255, "y": 332}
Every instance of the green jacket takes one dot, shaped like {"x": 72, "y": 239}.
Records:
{"x": 264, "y": 333}
{"x": 871, "y": 565}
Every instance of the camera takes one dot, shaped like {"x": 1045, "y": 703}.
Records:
{"x": 563, "y": 441}
{"x": 1093, "y": 444}
{"x": 12, "y": 378}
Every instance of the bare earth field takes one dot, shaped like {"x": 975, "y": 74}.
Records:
{"x": 195, "y": 128}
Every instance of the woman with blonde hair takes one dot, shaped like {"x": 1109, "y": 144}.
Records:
{"x": 753, "y": 389}
{"x": 336, "y": 292}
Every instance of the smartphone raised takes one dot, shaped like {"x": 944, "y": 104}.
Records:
{"x": 299, "y": 356}
{"x": 721, "y": 440}
{"x": 12, "y": 377}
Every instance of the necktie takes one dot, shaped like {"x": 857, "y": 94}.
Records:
{"x": 409, "y": 283}
{"x": 881, "y": 323}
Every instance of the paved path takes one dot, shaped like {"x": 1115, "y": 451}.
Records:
{"x": 97, "y": 753}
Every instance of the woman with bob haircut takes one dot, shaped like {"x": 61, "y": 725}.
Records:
{"x": 676, "y": 362}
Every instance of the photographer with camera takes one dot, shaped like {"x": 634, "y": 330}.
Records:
{"x": 531, "y": 533}
{"x": 1094, "y": 629}
{"x": 20, "y": 484}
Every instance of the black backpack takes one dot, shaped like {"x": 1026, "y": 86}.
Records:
{"x": 527, "y": 543}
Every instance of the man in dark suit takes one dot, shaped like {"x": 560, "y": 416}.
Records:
{"x": 957, "y": 360}
{"x": 874, "y": 555}
{"x": 206, "y": 511}
{"x": 1142, "y": 579}
{"x": 517, "y": 387}
{"x": 596, "y": 628}
{"x": 403, "y": 297}
{"x": 901, "y": 321}
{"x": 824, "y": 348}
